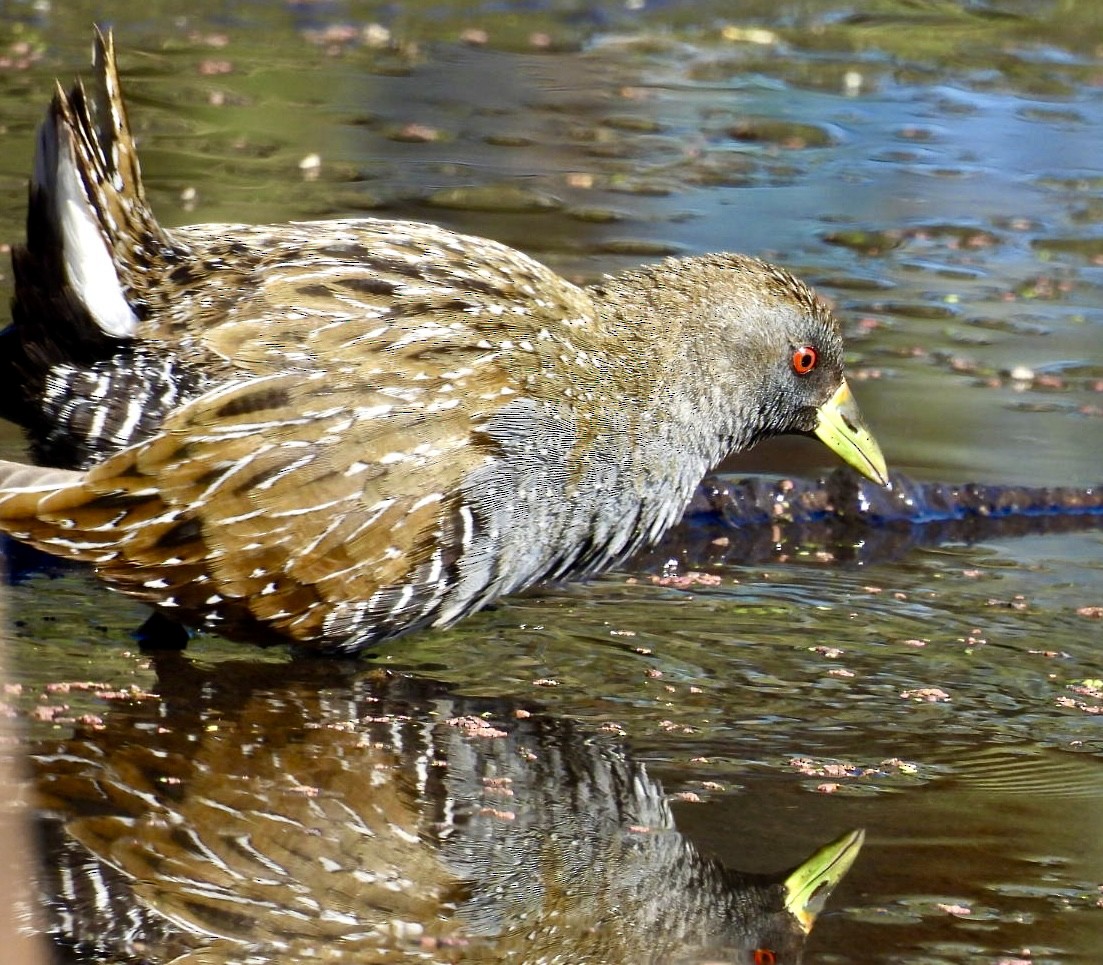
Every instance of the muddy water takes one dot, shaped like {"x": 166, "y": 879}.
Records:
{"x": 935, "y": 169}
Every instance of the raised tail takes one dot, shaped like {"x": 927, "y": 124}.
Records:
{"x": 93, "y": 254}
{"x": 88, "y": 218}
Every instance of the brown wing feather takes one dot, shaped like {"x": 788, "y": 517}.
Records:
{"x": 280, "y": 500}
{"x": 320, "y": 491}
{"x": 362, "y": 297}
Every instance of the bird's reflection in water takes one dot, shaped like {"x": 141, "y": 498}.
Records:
{"x": 359, "y": 816}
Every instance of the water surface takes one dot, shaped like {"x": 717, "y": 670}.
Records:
{"x": 934, "y": 169}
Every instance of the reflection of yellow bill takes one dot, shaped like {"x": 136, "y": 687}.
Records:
{"x": 841, "y": 429}
{"x": 807, "y": 888}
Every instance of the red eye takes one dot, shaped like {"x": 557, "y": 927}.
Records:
{"x": 804, "y": 359}
{"x": 764, "y": 956}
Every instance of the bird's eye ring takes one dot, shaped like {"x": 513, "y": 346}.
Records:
{"x": 804, "y": 359}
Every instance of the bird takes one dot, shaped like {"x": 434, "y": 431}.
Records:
{"x": 337, "y": 432}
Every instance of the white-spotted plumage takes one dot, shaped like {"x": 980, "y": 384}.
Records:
{"x": 338, "y": 432}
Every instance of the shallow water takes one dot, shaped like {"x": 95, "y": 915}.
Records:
{"x": 935, "y": 170}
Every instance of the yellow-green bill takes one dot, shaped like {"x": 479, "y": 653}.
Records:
{"x": 808, "y": 887}
{"x": 841, "y": 429}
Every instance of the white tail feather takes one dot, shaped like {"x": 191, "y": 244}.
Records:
{"x": 89, "y": 265}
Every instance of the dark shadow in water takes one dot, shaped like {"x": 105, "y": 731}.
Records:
{"x": 362, "y": 816}
{"x": 846, "y": 519}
